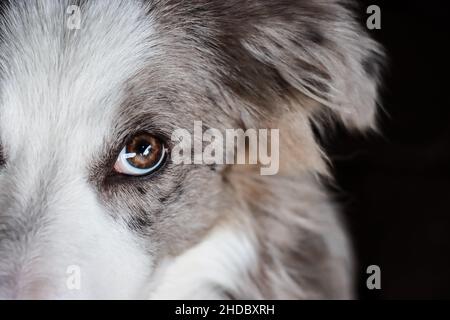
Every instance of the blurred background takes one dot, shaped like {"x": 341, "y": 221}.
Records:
{"x": 395, "y": 188}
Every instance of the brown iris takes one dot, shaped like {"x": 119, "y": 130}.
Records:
{"x": 145, "y": 151}
{"x": 142, "y": 155}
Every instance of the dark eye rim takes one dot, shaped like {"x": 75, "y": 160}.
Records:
{"x": 164, "y": 158}
{"x": 2, "y": 156}
{"x": 117, "y": 176}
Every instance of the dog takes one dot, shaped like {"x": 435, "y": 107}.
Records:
{"x": 91, "y": 204}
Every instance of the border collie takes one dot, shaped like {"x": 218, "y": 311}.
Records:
{"x": 92, "y": 205}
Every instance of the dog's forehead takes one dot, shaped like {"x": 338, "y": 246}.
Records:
{"x": 60, "y": 78}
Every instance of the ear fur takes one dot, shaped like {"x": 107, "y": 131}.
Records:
{"x": 321, "y": 52}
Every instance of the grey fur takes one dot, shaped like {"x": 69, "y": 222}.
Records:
{"x": 231, "y": 64}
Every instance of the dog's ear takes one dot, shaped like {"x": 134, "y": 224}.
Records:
{"x": 309, "y": 51}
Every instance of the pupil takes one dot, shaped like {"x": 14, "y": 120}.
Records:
{"x": 144, "y": 149}
{"x": 143, "y": 152}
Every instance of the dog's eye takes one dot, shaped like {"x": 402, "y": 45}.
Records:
{"x": 142, "y": 155}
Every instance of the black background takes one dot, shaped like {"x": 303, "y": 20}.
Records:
{"x": 395, "y": 188}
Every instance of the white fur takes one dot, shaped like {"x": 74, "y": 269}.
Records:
{"x": 204, "y": 271}
{"x": 50, "y": 96}
{"x": 61, "y": 93}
